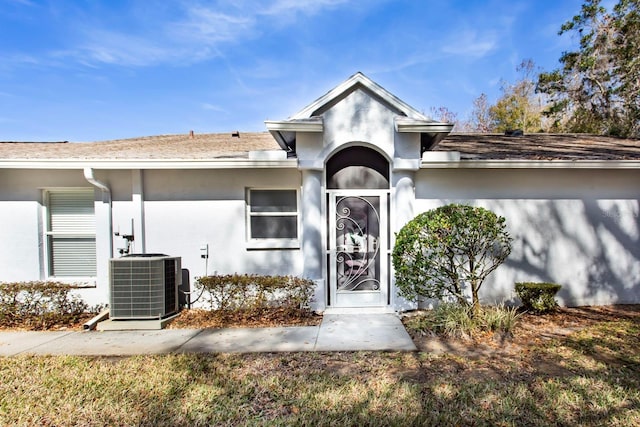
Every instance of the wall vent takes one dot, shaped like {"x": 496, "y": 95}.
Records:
{"x": 144, "y": 286}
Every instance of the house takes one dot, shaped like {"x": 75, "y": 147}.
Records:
{"x": 320, "y": 195}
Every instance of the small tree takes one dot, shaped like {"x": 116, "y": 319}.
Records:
{"x": 597, "y": 87}
{"x": 519, "y": 107}
{"x": 446, "y": 250}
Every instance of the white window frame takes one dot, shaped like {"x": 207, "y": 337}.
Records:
{"x": 48, "y": 234}
{"x": 272, "y": 243}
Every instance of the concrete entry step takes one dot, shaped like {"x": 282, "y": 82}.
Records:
{"x": 359, "y": 310}
{"x": 363, "y": 332}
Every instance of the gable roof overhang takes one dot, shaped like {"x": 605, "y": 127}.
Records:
{"x": 408, "y": 120}
{"x": 358, "y": 80}
{"x": 431, "y": 133}
{"x": 284, "y": 131}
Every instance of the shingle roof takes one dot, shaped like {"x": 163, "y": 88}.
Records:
{"x": 200, "y": 146}
{"x": 224, "y": 146}
{"x": 541, "y": 147}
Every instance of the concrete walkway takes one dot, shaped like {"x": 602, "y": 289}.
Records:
{"x": 337, "y": 332}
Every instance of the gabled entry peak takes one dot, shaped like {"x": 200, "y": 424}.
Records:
{"x": 400, "y": 116}
{"x": 356, "y": 81}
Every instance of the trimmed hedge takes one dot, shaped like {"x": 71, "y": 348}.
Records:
{"x": 39, "y": 305}
{"x": 538, "y": 297}
{"x": 255, "y": 293}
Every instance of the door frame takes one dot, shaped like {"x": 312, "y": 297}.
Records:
{"x": 361, "y": 298}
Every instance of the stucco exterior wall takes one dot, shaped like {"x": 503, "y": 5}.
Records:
{"x": 184, "y": 210}
{"x": 21, "y": 241}
{"x": 19, "y": 237}
{"x": 578, "y": 228}
{"x": 180, "y": 211}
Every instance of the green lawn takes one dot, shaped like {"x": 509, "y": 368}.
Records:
{"x": 589, "y": 378}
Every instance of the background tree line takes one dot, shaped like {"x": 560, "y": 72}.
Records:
{"x": 595, "y": 90}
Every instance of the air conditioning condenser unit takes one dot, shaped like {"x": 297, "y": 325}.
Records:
{"x": 144, "y": 286}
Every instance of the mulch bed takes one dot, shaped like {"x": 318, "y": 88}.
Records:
{"x": 531, "y": 330}
{"x": 200, "y": 319}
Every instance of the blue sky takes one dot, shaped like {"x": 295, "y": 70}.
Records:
{"x": 86, "y": 70}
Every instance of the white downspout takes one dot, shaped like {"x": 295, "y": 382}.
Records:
{"x": 106, "y": 198}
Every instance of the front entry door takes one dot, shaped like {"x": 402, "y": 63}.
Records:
{"x": 357, "y": 248}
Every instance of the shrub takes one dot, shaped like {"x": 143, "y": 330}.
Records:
{"x": 256, "y": 293}
{"x": 456, "y": 320}
{"x": 538, "y": 297}
{"x": 449, "y": 251}
{"x": 453, "y": 320}
{"x": 39, "y": 305}
{"x": 500, "y": 318}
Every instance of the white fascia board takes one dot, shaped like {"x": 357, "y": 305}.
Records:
{"x": 406, "y": 164}
{"x": 440, "y": 156}
{"x": 421, "y": 126}
{"x": 531, "y": 164}
{"x": 311, "y": 125}
{"x": 270, "y": 155}
{"x": 148, "y": 164}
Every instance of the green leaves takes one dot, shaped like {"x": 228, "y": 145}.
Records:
{"x": 538, "y": 297}
{"x": 597, "y": 89}
{"x": 518, "y": 107}
{"x": 449, "y": 251}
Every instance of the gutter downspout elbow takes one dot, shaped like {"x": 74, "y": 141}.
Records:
{"x": 106, "y": 198}
{"x": 89, "y": 176}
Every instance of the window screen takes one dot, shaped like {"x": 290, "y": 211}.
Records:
{"x": 71, "y": 233}
{"x": 273, "y": 214}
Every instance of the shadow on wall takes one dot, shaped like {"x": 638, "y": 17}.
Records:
{"x": 358, "y": 117}
{"x": 590, "y": 247}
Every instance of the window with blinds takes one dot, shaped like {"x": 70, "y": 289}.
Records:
{"x": 272, "y": 217}
{"x": 71, "y": 233}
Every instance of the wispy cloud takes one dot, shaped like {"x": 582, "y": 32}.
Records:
{"x": 197, "y": 33}
{"x": 108, "y": 47}
{"x": 206, "y": 25}
{"x": 470, "y": 43}
{"x": 213, "y": 107}
{"x": 280, "y": 7}
{"x": 13, "y": 61}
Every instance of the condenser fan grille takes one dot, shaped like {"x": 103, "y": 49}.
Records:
{"x": 144, "y": 287}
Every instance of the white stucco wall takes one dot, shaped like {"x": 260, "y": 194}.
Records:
{"x": 184, "y": 210}
{"x": 578, "y": 228}
{"x": 181, "y": 211}
{"x": 21, "y": 216}
{"x": 19, "y": 250}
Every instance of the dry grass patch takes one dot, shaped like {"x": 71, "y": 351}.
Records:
{"x": 588, "y": 375}
{"x": 562, "y": 380}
